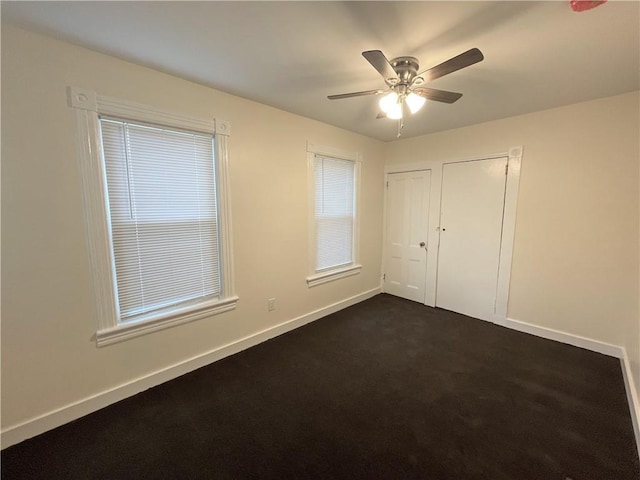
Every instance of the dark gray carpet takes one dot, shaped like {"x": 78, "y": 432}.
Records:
{"x": 386, "y": 389}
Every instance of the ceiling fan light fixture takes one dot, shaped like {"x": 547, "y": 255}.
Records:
{"x": 415, "y": 102}
{"x": 391, "y": 105}
{"x": 388, "y": 101}
{"x": 395, "y": 112}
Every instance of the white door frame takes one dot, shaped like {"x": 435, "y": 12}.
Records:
{"x": 514, "y": 162}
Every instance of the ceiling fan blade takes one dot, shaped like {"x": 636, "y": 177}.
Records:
{"x": 437, "y": 95}
{"x": 355, "y": 94}
{"x": 377, "y": 59}
{"x": 453, "y": 64}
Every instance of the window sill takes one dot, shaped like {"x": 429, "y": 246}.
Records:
{"x": 166, "y": 320}
{"x": 330, "y": 276}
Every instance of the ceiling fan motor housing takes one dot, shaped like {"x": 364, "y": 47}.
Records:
{"x": 406, "y": 68}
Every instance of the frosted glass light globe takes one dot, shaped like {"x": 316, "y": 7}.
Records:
{"x": 388, "y": 101}
{"x": 415, "y": 102}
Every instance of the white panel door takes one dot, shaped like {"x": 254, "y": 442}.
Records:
{"x": 471, "y": 211}
{"x": 406, "y": 234}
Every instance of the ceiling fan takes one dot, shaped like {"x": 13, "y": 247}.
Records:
{"x": 405, "y": 84}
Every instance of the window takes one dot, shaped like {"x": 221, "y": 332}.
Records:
{"x": 334, "y": 212}
{"x": 333, "y": 181}
{"x": 157, "y": 215}
{"x": 162, "y": 205}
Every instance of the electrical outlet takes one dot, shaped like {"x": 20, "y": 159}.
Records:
{"x": 271, "y": 304}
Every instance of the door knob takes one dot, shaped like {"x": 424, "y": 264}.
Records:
{"x": 422, "y": 244}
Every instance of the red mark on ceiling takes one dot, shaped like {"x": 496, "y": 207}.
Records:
{"x": 582, "y": 5}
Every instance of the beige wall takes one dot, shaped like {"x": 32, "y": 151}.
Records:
{"x": 49, "y": 359}
{"x": 575, "y": 263}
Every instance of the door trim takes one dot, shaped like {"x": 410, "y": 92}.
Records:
{"x": 508, "y": 234}
{"x": 514, "y": 162}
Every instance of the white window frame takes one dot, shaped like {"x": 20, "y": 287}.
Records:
{"x": 318, "y": 277}
{"x": 87, "y": 106}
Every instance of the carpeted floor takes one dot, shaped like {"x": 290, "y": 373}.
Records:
{"x": 386, "y": 389}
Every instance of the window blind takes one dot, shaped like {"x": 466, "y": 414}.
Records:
{"x": 334, "y": 211}
{"x": 164, "y": 221}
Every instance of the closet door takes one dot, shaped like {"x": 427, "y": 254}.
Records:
{"x": 471, "y": 212}
{"x": 406, "y": 234}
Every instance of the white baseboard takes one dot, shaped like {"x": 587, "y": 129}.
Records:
{"x": 632, "y": 396}
{"x": 35, "y": 426}
{"x": 564, "y": 337}
{"x": 595, "y": 346}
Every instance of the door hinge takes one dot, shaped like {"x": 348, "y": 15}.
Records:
{"x": 384, "y": 276}
{"x": 387, "y": 184}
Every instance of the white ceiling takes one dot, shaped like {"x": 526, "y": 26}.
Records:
{"x": 291, "y": 55}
